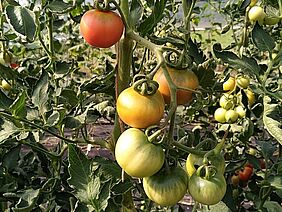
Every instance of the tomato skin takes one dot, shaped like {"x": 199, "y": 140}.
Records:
{"x": 195, "y": 160}
{"x": 136, "y": 155}
{"x": 246, "y": 173}
{"x": 256, "y": 13}
{"x": 166, "y": 189}
{"x": 101, "y": 28}
{"x": 226, "y": 101}
{"x": 235, "y": 180}
{"x": 219, "y": 115}
{"x": 140, "y": 111}
{"x": 241, "y": 111}
{"x": 5, "y": 85}
{"x": 207, "y": 191}
{"x": 251, "y": 97}
{"x": 181, "y": 77}
{"x": 243, "y": 81}
{"x": 231, "y": 116}
{"x": 229, "y": 84}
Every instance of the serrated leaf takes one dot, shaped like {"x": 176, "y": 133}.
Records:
{"x": 262, "y": 40}
{"x": 18, "y": 108}
{"x": 221, "y": 206}
{"x": 87, "y": 186}
{"x": 275, "y": 181}
{"x": 7, "y": 129}
{"x": 40, "y": 93}
{"x": 272, "y": 206}
{"x": 246, "y": 64}
{"x": 58, "y": 6}
{"x": 62, "y": 69}
{"x": 270, "y": 119}
{"x": 22, "y": 21}
{"x": 267, "y": 149}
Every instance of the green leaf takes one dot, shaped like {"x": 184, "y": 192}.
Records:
{"x": 272, "y": 119}
{"x": 7, "y": 72}
{"x": 87, "y": 186}
{"x": 27, "y": 200}
{"x": 18, "y": 108}
{"x": 40, "y": 93}
{"x": 217, "y": 207}
{"x": 10, "y": 159}
{"x": 246, "y": 64}
{"x": 275, "y": 181}
{"x": 62, "y": 69}
{"x": 53, "y": 119}
{"x": 58, "y": 6}
{"x": 272, "y": 206}
{"x": 5, "y": 101}
{"x": 262, "y": 40}
{"x": 7, "y": 129}
{"x": 136, "y": 10}
{"x": 248, "y": 130}
{"x": 267, "y": 149}
{"x": 22, "y": 21}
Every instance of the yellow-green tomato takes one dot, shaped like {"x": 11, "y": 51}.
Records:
{"x": 5, "y": 85}
{"x": 256, "y": 13}
{"x": 271, "y": 20}
{"x": 166, "y": 189}
{"x": 219, "y": 115}
{"x": 231, "y": 116}
{"x": 229, "y": 84}
{"x": 137, "y": 155}
{"x": 243, "y": 81}
{"x": 226, "y": 101}
{"x": 194, "y": 161}
{"x": 241, "y": 111}
{"x": 251, "y": 97}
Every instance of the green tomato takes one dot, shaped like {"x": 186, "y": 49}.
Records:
{"x": 166, "y": 189}
{"x": 241, "y": 111}
{"x": 229, "y": 84}
{"x": 219, "y": 115}
{"x": 137, "y": 155}
{"x": 231, "y": 116}
{"x": 194, "y": 161}
{"x": 256, "y": 13}
{"x": 243, "y": 81}
{"x": 5, "y": 85}
{"x": 271, "y": 20}
{"x": 208, "y": 191}
{"x": 226, "y": 101}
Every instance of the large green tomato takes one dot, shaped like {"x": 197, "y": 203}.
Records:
{"x": 243, "y": 81}
{"x": 194, "y": 161}
{"x": 208, "y": 191}
{"x": 166, "y": 189}
{"x": 136, "y": 155}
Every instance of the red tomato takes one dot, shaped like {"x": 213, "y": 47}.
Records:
{"x": 101, "y": 28}
{"x": 246, "y": 173}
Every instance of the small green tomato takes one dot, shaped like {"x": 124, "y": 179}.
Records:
{"x": 231, "y": 116}
{"x": 241, "y": 111}
{"x": 219, "y": 115}
{"x": 243, "y": 81}
{"x": 226, "y": 101}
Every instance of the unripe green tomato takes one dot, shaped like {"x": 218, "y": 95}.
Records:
{"x": 241, "y": 111}
{"x": 256, "y": 13}
{"x": 251, "y": 97}
{"x": 253, "y": 2}
{"x": 226, "y": 101}
{"x": 243, "y": 81}
{"x": 5, "y": 59}
{"x": 219, "y": 115}
{"x": 5, "y": 85}
{"x": 270, "y": 20}
{"x": 229, "y": 84}
{"x": 231, "y": 116}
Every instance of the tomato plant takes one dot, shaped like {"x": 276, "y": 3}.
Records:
{"x": 136, "y": 154}
{"x": 166, "y": 189}
{"x": 183, "y": 78}
{"x": 101, "y": 29}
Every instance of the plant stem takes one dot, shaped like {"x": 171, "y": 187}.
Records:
{"x": 188, "y": 149}
{"x": 50, "y": 37}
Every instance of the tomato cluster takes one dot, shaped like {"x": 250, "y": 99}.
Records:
{"x": 242, "y": 176}
{"x": 231, "y": 106}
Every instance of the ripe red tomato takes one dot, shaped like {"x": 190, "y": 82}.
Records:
{"x": 184, "y": 78}
{"x": 140, "y": 111}
{"x": 246, "y": 173}
{"x": 101, "y": 28}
